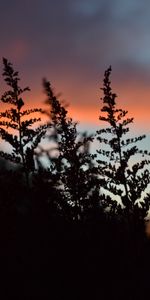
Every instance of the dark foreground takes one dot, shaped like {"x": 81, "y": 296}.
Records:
{"x": 43, "y": 258}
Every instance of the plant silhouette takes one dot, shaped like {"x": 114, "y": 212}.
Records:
{"x": 124, "y": 177}
{"x": 70, "y": 162}
{"x": 15, "y": 125}
{"x": 63, "y": 229}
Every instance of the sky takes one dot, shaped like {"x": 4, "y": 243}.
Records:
{"x": 72, "y": 43}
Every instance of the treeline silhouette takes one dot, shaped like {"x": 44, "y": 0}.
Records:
{"x": 72, "y": 221}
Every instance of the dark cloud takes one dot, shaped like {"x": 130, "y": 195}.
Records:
{"x": 77, "y": 39}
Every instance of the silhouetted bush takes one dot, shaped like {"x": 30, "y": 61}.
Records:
{"x": 123, "y": 178}
{"x": 57, "y": 227}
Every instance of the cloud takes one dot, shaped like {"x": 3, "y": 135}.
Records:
{"x": 71, "y": 34}
{"x": 73, "y": 42}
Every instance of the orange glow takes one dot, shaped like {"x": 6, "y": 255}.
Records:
{"x": 84, "y": 104}
{"x": 85, "y": 115}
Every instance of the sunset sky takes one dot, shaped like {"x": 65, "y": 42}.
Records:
{"x": 72, "y": 42}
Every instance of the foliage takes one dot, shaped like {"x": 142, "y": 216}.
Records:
{"x": 72, "y": 164}
{"x": 15, "y": 128}
{"x": 72, "y": 182}
{"x": 123, "y": 177}
{"x": 38, "y": 232}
